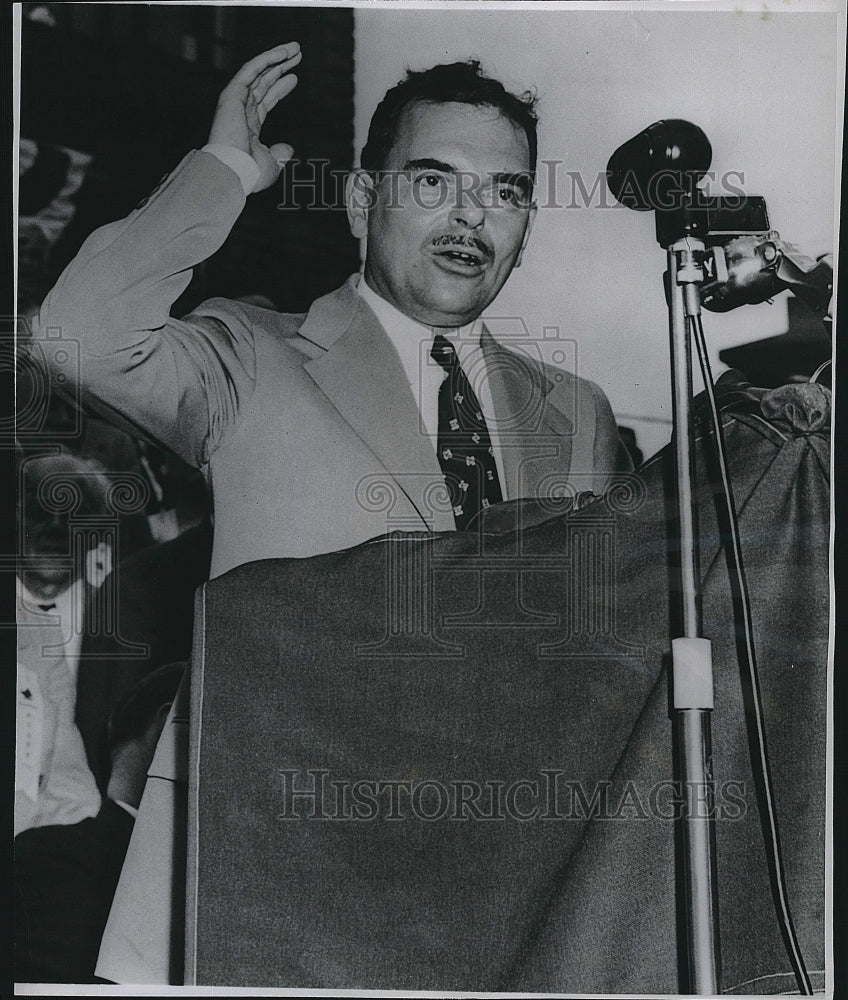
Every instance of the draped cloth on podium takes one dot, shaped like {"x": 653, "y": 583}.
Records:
{"x": 444, "y": 762}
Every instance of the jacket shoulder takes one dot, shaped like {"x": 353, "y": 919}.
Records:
{"x": 245, "y": 315}
{"x": 261, "y": 331}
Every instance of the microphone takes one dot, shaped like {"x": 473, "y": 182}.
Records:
{"x": 648, "y": 171}
{"x": 659, "y": 170}
{"x": 745, "y": 261}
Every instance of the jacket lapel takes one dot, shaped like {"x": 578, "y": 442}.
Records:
{"x": 535, "y": 436}
{"x": 363, "y": 378}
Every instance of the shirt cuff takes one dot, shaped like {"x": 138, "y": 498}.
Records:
{"x": 236, "y": 160}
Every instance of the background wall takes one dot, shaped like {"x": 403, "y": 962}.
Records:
{"x": 763, "y": 87}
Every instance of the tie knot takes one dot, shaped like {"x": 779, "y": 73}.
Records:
{"x": 443, "y": 353}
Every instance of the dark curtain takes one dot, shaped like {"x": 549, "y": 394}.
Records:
{"x": 133, "y": 88}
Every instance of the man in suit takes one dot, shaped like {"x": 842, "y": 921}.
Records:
{"x": 387, "y": 405}
{"x": 292, "y": 417}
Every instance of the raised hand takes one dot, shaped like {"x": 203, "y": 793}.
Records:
{"x": 245, "y": 102}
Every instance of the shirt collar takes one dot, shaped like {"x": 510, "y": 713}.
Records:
{"x": 412, "y": 343}
{"x": 412, "y": 340}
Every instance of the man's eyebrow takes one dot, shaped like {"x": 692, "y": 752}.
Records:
{"x": 429, "y": 164}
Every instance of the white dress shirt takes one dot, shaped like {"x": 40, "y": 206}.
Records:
{"x": 65, "y": 611}
{"x": 53, "y": 783}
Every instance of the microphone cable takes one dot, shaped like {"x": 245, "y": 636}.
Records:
{"x": 750, "y": 681}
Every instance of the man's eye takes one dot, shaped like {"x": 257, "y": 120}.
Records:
{"x": 510, "y": 195}
{"x": 430, "y": 188}
{"x": 430, "y": 180}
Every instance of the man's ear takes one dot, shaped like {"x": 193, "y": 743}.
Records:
{"x": 531, "y": 218}
{"x": 360, "y": 195}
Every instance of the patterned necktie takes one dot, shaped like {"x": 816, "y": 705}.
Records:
{"x": 464, "y": 445}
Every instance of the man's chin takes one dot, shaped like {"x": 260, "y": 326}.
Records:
{"x": 451, "y": 307}
{"x": 47, "y": 581}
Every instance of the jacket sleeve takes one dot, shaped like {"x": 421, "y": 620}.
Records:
{"x": 179, "y": 382}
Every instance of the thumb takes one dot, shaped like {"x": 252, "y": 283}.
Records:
{"x": 282, "y": 152}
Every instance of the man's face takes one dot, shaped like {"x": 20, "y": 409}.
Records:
{"x": 48, "y": 483}
{"x": 452, "y": 212}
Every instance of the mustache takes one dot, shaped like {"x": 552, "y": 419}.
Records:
{"x": 462, "y": 241}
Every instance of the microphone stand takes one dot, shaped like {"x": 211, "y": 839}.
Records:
{"x": 691, "y": 653}
{"x": 660, "y": 169}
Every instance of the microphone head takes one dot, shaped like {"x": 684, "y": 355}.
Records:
{"x": 655, "y": 168}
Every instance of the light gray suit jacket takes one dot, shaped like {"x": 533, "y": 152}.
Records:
{"x": 305, "y": 426}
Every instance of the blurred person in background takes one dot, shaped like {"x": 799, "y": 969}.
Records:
{"x": 53, "y": 783}
{"x": 65, "y": 875}
{"x": 154, "y": 596}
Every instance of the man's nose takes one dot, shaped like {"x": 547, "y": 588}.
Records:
{"x": 469, "y": 211}
{"x": 48, "y": 521}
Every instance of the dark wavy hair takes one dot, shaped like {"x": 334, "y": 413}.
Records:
{"x": 461, "y": 82}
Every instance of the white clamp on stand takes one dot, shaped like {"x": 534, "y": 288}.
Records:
{"x": 691, "y": 655}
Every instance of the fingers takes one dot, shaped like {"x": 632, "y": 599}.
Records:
{"x": 285, "y": 54}
{"x": 266, "y": 80}
{"x": 276, "y": 93}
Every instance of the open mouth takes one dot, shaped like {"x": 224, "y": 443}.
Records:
{"x": 461, "y": 257}
{"x": 459, "y": 253}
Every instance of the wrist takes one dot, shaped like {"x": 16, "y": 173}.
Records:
{"x": 241, "y": 163}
